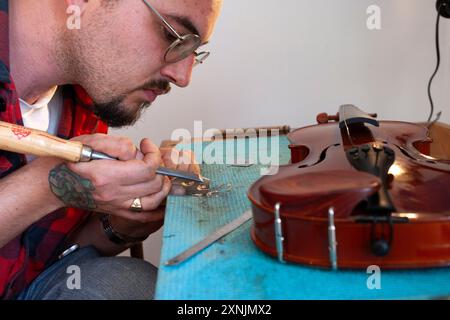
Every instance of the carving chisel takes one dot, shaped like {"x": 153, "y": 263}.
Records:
{"x": 23, "y": 140}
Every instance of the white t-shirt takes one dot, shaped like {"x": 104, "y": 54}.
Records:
{"x": 44, "y": 114}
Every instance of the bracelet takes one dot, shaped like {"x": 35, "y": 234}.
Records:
{"x": 115, "y": 236}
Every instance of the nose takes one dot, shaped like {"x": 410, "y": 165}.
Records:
{"x": 179, "y": 73}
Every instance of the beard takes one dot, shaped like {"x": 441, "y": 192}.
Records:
{"x": 117, "y": 115}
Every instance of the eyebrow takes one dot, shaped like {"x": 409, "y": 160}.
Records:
{"x": 185, "y": 22}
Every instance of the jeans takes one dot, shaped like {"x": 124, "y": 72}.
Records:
{"x": 85, "y": 275}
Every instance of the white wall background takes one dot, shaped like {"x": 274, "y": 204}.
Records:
{"x": 282, "y": 62}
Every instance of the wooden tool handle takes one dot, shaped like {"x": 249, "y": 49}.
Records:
{"x": 19, "y": 139}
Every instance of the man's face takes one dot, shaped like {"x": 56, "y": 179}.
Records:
{"x": 118, "y": 54}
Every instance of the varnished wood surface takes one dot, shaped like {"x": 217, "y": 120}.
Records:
{"x": 440, "y": 147}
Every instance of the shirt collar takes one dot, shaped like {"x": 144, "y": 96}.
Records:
{"x": 42, "y": 101}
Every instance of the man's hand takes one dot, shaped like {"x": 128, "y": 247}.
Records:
{"x": 110, "y": 186}
{"x": 173, "y": 159}
{"x": 179, "y": 160}
{"x": 137, "y": 229}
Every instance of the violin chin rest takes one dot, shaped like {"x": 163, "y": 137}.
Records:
{"x": 322, "y": 186}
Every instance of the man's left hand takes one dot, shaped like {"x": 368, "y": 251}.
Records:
{"x": 172, "y": 159}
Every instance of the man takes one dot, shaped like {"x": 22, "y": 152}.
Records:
{"x": 74, "y": 82}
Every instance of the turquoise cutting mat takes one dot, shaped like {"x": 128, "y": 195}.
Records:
{"x": 234, "y": 268}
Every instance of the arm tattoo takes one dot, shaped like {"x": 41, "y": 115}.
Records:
{"x": 70, "y": 188}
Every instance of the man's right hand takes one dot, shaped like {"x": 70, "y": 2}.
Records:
{"x": 110, "y": 186}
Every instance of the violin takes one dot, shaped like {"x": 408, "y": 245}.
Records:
{"x": 357, "y": 192}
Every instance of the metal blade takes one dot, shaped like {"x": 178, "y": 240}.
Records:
{"x": 179, "y": 174}
{"x": 220, "y": 233}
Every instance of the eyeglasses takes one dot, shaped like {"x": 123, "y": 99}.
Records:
{"x": 183, "y": 46}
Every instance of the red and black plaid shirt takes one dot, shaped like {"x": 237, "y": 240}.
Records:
{"x": 26, "y": 256}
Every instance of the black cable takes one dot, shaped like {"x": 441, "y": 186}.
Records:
{"x": 438, "y": 54}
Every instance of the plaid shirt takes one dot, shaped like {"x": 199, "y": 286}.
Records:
{"x": 26, "y": 256}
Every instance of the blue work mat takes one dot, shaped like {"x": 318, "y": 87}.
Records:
{"x": 234, "y": 268}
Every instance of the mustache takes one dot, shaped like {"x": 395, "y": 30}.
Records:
{"x": 162, "y": 86}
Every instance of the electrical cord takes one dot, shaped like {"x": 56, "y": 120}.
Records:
{"x": 443, "y": 9}
{"x": 438, "y": 55}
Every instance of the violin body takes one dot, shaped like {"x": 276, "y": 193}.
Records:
{"x": 356, "y": 195}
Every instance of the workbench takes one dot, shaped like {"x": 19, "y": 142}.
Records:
{"x": 234, "y": 268}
